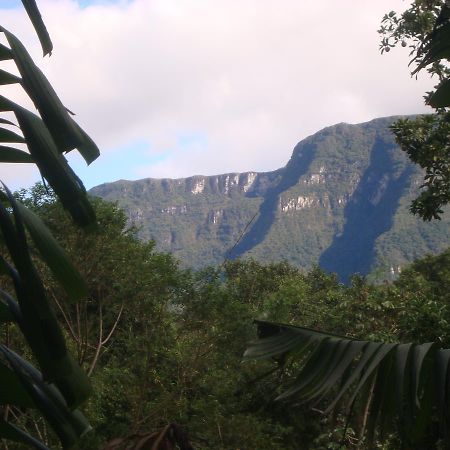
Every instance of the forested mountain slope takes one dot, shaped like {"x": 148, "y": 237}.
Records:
{"x": 341, "y": 201}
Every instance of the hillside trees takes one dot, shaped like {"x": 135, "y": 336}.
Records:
{"x": 390, "y": 387}
{"x": 60, "y": 387}
{"x": 121, "y": 328}
{"x": 175, "y": 354}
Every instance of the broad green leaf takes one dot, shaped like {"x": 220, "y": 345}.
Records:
{"x": 16, "y": 394}
{"x": 54, "y": 167}
{"x": 315, "y": 371}
{"x": 5, "y": 313}
{"x": 402, "y": 381}
{"x": 38, "y": 322}
{"x": 441, "y": 98}
{"x": 52, "y": 111}
{"x": 375, "y": 397}
{"x": 395, "y": 385}
{"x": 13, "y": 433}
{"x": 39, "y": 26}
{"x": 314, "y": 367}
{"x": 273, "y": 346}
{"x": 423, "y": 364}
{"x": 54, "y": 255}
{"x": 351, "y": 350}
{"x": 8, "y": 78}
{"x": 5, "y": 53}
{"x": 437, "y": 48}
{"x": 12, "y": 311}
{"x": 75, "y": 417}
{"x": 69, "y": 425}
{"x": 88, "y": 148}
{"x": 14, "y": 155}
{"x": 369, "y": 351}
{"x": 6, "y": 104}
{"x": 51, "y": 164}
{"x": 372, "y": 366}
{"x": 418, "y": 357}
{"x": 442, "y": 371}
{"x": 7, "y": 122}
{"x": 9, "y": 136}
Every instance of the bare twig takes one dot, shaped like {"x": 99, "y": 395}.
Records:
{"x": 100, "y": 339}
{"x": 66, "y": 319}
{"x": 115, "y": 325}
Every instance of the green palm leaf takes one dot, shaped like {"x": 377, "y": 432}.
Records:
{"x": 10, "y": 136}
{"x": 69, "y": 425}
{"x": 38, "y": 322}
{"x": 39, "y": 26}
{"x": 65, "y": 132}
{"x": 8, "y": 78}
{"x": 14, "y": 155}
{"x": 54, "y": 255}
{"x": 397, "y": 384}
{"x": 14, "y": 433}
{"x": 5, "y": 53}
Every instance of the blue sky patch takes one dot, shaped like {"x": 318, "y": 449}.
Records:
{"x": 120, "y": 163}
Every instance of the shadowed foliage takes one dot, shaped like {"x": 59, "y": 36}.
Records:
{"x": 60, "y": 386}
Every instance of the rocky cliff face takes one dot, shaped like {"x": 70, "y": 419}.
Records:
{"x": 341, "y": 201}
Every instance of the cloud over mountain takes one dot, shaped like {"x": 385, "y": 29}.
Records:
{"x": 212, "y": 87}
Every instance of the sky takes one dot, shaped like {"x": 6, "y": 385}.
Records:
{"x": 175, "y": 88}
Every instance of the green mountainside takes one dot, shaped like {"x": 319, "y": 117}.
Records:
{"x": 342, "y": 201}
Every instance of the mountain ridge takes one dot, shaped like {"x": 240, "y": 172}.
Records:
{"x": 341, "y": 201}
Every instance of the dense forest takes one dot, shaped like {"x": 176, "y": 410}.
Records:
{"x": 163, "y": 345}
{"x": 106, "y": 342}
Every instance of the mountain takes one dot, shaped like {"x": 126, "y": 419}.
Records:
{"x": 341, "y": 201}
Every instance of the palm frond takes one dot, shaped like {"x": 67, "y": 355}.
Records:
{"x": 399, "y": 385}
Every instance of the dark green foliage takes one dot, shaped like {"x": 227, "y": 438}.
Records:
{"x": 175, "y": 353}
{"x": 425, "y": 141}
{"x": 190, "y": 330}
{"x": 28, "y": 321}
{"x": 425, "y": 25}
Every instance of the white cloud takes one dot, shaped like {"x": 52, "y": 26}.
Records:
{"x": 250, "y": 77}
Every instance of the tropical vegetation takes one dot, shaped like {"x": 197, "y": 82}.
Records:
{"x": 44, "y": 376}
{"x": 394, "y": 388}
{"x": 84, "y": 302}
{"x": 163, "y": 345}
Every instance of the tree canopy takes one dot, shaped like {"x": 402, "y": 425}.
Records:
{"x": 396, "y": 388}
{"x": 424, "y": 28}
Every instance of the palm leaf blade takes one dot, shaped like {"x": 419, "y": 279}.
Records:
{"x": 54, "y": 256}
{"x": 14, "y": 155}
{"x": 39, "y": 26}
{"x": 392, "y": 384}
